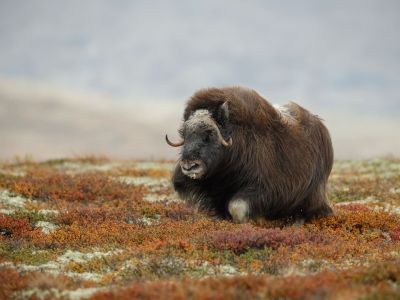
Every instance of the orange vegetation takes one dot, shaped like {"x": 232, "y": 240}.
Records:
{"x": 160, "y": 248}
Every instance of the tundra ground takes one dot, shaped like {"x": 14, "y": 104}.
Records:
{"x": 101, "y": 229}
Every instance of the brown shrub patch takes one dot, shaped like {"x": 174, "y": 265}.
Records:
{"x": 10, "y": 282}
{"x": 86, "y": 187}
{"x": 11, "y": 228}
{"x": 94, "y": 215}
{"x": 147, "y": 238}
{"x": 359, "y": 221}
{"x": 179, "y": 211}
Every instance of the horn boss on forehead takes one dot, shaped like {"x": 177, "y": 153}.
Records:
{"x": 203, "y": 118}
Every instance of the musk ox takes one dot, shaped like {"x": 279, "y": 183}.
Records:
{"x": 243, "y": 158}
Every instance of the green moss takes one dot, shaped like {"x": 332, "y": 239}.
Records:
{"x": 4, "y": 176}
{"x": 387, "y": 294}
{"x": 223, "y": 257}
{"x": 5, "y": 179}
{"x": 256, "y": 254}
{"x": 33, "y": 216}
{"x": 54, "y": 162}
{"x": 16, "y": 253}
{"x": 151, "y": 211}
{"x": 339, "y": 196}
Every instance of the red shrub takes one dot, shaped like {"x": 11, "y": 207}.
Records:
{"x": 240, "y": 240}
{"x": 359, "y": 221}
{"x": 179, "y": 211}
{"x": 86, "y": 215}
{"x": 86, "y": 187}
{"x": 395, "y": 235}
{"x": 10, "y": 227}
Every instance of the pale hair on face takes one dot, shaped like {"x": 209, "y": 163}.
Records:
{"x": 200, "y": 117}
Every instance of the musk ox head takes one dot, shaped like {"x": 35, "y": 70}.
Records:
{"x": 202, "y": 141}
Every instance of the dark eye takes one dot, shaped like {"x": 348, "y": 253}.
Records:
{"x": 207, "y": 136}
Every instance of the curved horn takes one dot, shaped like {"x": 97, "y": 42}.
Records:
{"x": 173, "y": 144}
{"x": 226, "y": 143}
{"x": 222, "y": 140}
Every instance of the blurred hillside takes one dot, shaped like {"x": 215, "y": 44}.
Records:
{"x": 46, "y": 123}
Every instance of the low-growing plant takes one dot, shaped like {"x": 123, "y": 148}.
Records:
{"x": 86, "y": 188}
{"x": 246, "y": 237}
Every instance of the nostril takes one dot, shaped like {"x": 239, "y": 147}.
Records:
{"x": 190, "y": 167}
{"x": 193, "y": 165}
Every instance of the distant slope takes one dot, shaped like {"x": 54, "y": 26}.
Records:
{"x": 47, "y": 123}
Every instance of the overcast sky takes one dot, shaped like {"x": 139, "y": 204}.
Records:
{"x": 341, "y": 55}
{"x": 140, "y": 60}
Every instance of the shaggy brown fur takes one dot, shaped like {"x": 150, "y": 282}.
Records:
{"x": 278, "y": 164}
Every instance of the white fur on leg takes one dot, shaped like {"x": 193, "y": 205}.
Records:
{"x": 299, "y": 222}
{"x": 239, "y": 210}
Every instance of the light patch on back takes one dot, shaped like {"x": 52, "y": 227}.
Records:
{"x": 201, "y": 117}
{"x": 285, "y": 113}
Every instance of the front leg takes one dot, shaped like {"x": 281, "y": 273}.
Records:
{"x": 239, "y": 209}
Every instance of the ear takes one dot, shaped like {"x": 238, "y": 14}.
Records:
{"x": 223, "y": 112}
